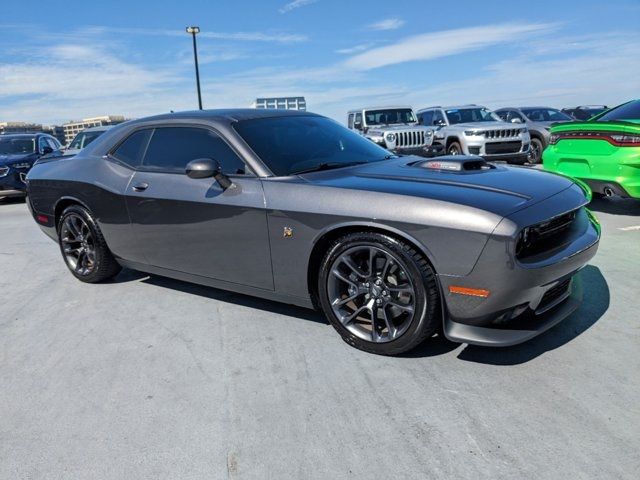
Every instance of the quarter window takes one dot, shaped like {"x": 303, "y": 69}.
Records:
{"x": 172, "y": 148}
{"x": 132, "y": 149}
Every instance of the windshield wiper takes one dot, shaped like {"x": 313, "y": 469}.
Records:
{"x": 326, "y": 166}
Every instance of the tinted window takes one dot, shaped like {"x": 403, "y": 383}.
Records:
{"x": 83, "y": 139}
{"x": 350, "y": 122}
{"x": 437, "y": 117}
{"x": 171, "y": 148}
{"x": 16, "y": 146}
{"x": 42, "y": 143}
{"x": 288, "y": 145}
{"x": 426, "y": 118}
{"x": 545, "y": 115}
{"x": 132, "y": 149}
{"x": 390, "y": 116}
{"x": 470, "y": 115}
{"x": 503, "y": 114}
{"x": 628, "y": 111}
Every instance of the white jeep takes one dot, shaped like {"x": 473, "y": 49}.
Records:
{"x": 396, "y": 129}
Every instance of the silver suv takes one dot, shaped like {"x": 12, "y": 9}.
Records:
{"x": 396, "y": 129}
{"x": 476, "y": 130}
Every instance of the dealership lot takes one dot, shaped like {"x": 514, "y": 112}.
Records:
{"x": 147, "y": 377}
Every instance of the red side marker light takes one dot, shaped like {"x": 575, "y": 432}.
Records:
{"x": 43, "y": 219}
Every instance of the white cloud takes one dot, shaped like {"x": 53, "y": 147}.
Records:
{"x": 387, "y": 24}
{"x": 295, "y": 4}
{"x": 355, "y": 49}
{"x": 429, "y": 46}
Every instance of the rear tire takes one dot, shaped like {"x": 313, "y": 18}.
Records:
{"x": 398, "y": 299}
{"x": 83, "y": 247}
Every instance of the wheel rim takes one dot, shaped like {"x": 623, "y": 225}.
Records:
{"x": 371, "y": 293}
{"x": 78, "y": 245}
{"x": 535, "y": 152}
{"x": 453, "y": 150}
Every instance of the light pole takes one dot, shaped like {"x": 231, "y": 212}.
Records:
{"x": 194, "y": 31}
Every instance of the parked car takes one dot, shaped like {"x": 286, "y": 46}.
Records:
{"x": 585, "y": 112}
{"x": 84, "y": 138}
{"x": 476, "y": 130}
{"x": 18, "y": 153}
{"x": 538, "y": 121}
{"x": 294, "y": 207}
{"x": 394, "y": 128}
{"x": 604, "y": 152}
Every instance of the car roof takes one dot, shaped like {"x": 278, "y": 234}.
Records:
{"x": 24, "y": 135}
{"x": 386, "y": 107}
{"x": 227, "y": 115}
{"x": 102, "y": 128}
{"x": 450, "y": 107}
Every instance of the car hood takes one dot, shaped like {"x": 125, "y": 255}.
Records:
{"x": 486, "y": 125}
{"x": 401, "y": 127}
{"x": 13, "y": 158}
{"x": 501, "y": 190}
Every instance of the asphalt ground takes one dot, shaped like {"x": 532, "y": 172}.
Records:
{"x": 152, "y": 378}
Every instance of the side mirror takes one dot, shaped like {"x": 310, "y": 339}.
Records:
{"x": 357, "y": 125}
{"x": 206, "y": 168}
{"x": 47, "y": 150}
{"x": 439, "y": 123}
{"x": 516, "y": 120}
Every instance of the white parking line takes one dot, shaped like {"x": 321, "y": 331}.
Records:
{"x": 629, "y": 229}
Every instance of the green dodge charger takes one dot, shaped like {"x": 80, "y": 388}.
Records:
{"x": 604, "y": 151}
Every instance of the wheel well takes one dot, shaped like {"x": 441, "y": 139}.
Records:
{"x": 537, "y": 136}
{"x": 60, "y": 207}
{"x": 450, "y": 140}
{"x": 322, "y": 245}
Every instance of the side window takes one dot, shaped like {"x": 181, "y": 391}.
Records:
{"x": 53, "y": 143}
{"x": 438, "y": 117}
{"x": 426, "y": 118}
{"x": 171, "y": 148}
{"x": 513, "y": 114}
{"x": 503, "y": 114}
{"x": 42, "y": 143}
{"x": 358, "y": 120}
{"x": 350, "y": 121}
{"x": 132, "y": 149}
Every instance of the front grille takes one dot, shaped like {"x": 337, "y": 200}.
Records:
{"x": 4, "y": 171}
{"x": 410, "y": 139}
{"x": 554, "y": 294}
{"x": 544, "y": 236}
{"x": 502, "y": 133}
{"x": 494, "y": 148}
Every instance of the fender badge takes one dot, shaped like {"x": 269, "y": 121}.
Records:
{"x": 288, "y": 232}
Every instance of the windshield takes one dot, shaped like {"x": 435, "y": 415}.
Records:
{"x": 470, "y": 115}
{"x": 545, "y": 115}
{"x": 17, "y": 146}
{"x": 389, "y": 116}
{"x": 626, "y": 111}
{"x": 293, "y": 144}
{"x": 83, "y": 139}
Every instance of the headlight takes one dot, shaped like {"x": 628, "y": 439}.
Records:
{"x": 21, "y": 165}
{"x": 391, "y": 137}
{"x": 472, "y": 133}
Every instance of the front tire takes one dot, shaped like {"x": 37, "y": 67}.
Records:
{"x": 535, "y": 153}
{"x": 83, "y": 247}
{"x": 454, "y": 148}
{"x": 379, "y": 293}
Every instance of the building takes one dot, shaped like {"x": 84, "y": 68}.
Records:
{"x": 71, "y": 129}
{"x": 281, "y": 103}
{"x": 19, "y": 127}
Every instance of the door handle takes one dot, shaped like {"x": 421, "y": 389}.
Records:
{"x": 140, "y": 187}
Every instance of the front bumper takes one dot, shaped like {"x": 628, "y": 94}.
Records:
{"x": 426, "y": 151}
{"x": 524, "y": 296}
{"x": 12, "y": 182}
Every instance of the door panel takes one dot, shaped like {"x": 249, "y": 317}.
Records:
{"x": 193, "y": 226}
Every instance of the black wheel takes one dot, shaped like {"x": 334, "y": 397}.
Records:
{"x": 379, "y": 293}
{"x": 454, "y": 149}
{"x": 535, "y": 151}
{"x": 83, "y": 247}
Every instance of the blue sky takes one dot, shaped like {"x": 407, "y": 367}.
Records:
{"x": 83, "y": 58}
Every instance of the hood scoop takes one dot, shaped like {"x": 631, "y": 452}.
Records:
{"x": 454, "y": 163}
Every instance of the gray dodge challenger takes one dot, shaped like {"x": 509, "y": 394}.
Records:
{"x": 293, "y": 207}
